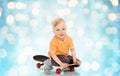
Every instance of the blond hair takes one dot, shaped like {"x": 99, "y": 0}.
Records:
{"x": 57, "y": 21}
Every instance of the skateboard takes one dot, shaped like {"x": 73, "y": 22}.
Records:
{"x": 42, "y": 58}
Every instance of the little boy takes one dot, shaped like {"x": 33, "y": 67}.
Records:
{"x": 60, "y": 46}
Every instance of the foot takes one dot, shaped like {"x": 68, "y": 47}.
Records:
{"x": 46, "y": 71}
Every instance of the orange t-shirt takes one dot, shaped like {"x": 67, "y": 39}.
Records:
{"x": 61, "y": 47}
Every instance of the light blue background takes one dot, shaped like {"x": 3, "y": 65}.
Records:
{"x": 25, "y": 30}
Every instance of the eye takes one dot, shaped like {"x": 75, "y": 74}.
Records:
{"x": 57, "y": 30}
{"x": 63, "y": 29}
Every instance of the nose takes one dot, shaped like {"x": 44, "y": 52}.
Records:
{"x": 61, "y": 31}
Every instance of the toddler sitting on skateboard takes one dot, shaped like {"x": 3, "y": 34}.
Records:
{"x": 60, "y": 46}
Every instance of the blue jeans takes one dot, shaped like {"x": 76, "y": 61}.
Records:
{"x": 64, "y": 59}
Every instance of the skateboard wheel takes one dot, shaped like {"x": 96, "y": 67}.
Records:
{"x": 58, "y": 71}
{"x": 38, "y": 65}
{"x": 71, "y": 69}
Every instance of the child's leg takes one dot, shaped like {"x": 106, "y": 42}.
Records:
{"x": 47, "y": 66}
{"x": 71, "y": 59}
{"x": 62, "y": 58}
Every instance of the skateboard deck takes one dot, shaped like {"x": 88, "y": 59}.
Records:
{"x": 73, "y": 65}
{"x": 40, "y": 58}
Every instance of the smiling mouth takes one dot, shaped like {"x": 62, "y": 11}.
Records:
{"x": 62, "y": 35}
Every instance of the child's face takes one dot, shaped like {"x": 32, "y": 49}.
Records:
{"x": 60, "y": 30}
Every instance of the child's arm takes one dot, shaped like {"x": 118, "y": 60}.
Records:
{"x": 56, "y": 59}
{"x": 73, "y": 55}
{"x": 75, "y": 61}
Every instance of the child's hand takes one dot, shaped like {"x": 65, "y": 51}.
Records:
{"x": 77, "y": 62}
{"x": 64, "y": 65}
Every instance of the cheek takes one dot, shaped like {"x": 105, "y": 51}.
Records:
{"x": 65, "y": 31}
{"x": 56, "y": 32}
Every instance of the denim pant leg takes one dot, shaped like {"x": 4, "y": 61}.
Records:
{"x": 62, "y": 58}
{"x": 71, "y": 60}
